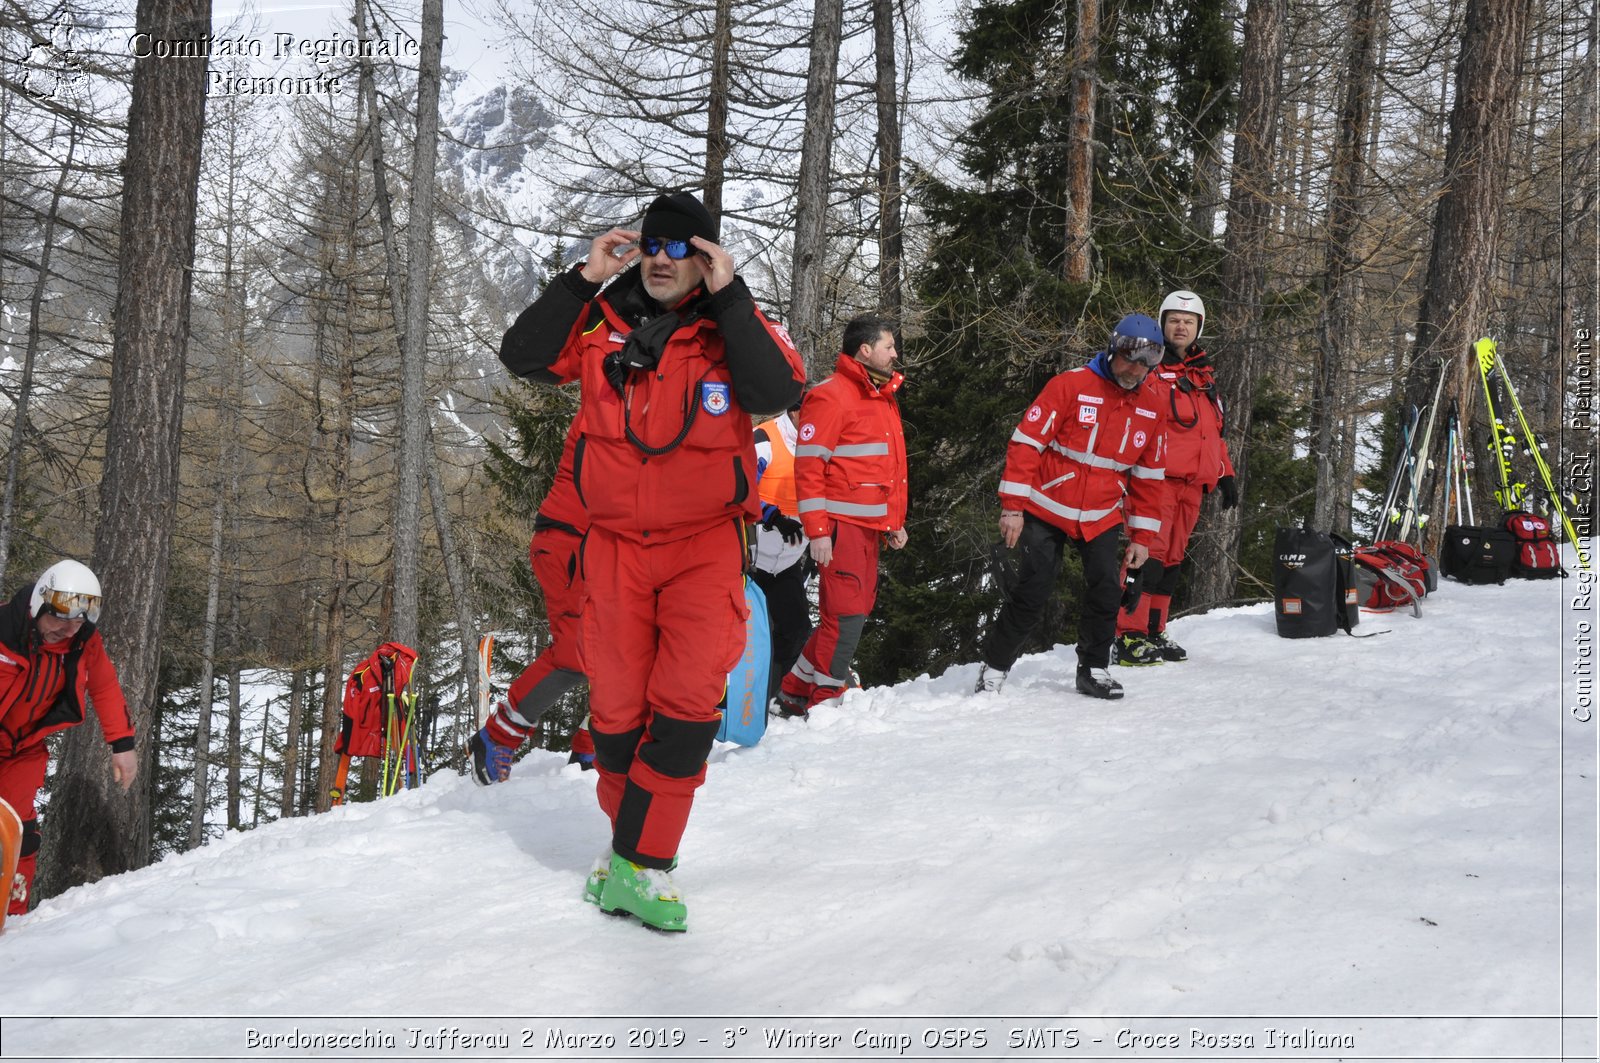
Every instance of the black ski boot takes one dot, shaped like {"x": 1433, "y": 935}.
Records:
{"x": 1169, "y": 650}
{"x": 1097, "y": 683}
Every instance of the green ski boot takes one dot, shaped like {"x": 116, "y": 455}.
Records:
{"x": 645, "y": 892}
{"x": 596, "y": 883}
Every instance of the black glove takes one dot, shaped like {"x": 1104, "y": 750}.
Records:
{"x": 1230, "y": 492}
{"x": 793, "y": 531}
{"x": 1131, "y": 588}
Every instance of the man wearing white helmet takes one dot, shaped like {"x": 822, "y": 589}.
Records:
{"x": 1197, "y": 463}
{"x": 52, "y": 664}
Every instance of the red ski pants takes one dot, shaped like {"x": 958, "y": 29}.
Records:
{"x": 662, "y": 627}
{"x": 1180, "y": 512}
{"x": 21, "y": 776}
{"x": 847, "y": 591}
{"x": 554, "y": 556}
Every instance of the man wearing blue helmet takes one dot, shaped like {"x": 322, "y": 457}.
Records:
{"x": 1085, "y": 461}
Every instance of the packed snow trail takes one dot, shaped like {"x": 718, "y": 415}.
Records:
{"x": 1322, "y": 827}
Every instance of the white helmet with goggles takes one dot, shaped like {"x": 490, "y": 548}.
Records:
{"x": 1188, "y": 303}
{"x": 67, "y": 591}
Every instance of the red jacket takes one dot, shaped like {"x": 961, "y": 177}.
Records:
{"x": 43, "y": 687}
{"x": 850, "y": 461}
{"x": 666, "y": 452}
{"x": 1195, "y": 448}
{"x": 1084, "y": 444}
{"x": 562, "y": 508}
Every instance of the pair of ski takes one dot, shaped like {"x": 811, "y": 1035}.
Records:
{"x": 1513, "y": 495}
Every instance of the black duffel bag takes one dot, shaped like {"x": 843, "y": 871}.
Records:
{"x": 1314, "y": 587}
{"x": 1477, "y": 555}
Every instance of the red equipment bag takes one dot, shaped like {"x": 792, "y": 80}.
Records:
{"x": 1391, "y": 574}
{"x": 1536, "y": 557}
{"x": 366, "y": 698}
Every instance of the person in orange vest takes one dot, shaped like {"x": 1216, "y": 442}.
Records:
{"x": 558, "y": 531}
{"x": 850, "y": 479}
{"x": 780, "y": 555}
{"x": 674, "y": 357}
{"x": 52, "y": 665}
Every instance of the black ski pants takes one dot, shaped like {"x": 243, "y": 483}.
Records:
{"x": 788, "y": 617}
{"x": 1040, "y": 546}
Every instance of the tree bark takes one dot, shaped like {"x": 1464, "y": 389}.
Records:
{"x": 811, "y": 202}
{"x": 94, "y": 829}
{"x": 1243, "y": 280}
{"x": 200, "y": 785}
{"x": 1467, "y": 220}
{"x": 460, "y": 585}
{"x": 717, "y": 106}
{"x": 1341, "y": 286}
{"x": 891, "y": 242}
{"x": 1080, "y": 144}
{"x": 413, "y": 382}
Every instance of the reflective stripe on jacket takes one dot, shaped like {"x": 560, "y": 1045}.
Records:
{"x": 1084, "y": 444}
{"x": 850, "y": 461}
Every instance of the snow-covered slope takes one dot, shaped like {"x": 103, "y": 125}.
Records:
{"x": 1297, "y": 835}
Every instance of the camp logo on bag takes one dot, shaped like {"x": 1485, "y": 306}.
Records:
{"x": 1536, "y": 556}
{"x": 1313, "y": 584}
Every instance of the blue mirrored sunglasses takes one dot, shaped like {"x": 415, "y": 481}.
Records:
{"x": 675, "y": 249}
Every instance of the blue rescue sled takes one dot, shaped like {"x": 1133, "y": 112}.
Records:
{"x": 744, "y": 706}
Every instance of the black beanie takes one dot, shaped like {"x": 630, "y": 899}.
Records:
{"x": 678, "y": 216}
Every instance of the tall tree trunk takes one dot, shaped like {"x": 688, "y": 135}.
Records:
{"x": 338, "y": 578}
{"x": 891, "y": 243}
{"x": 717, "y": 105}
{"x": 93, "y": 829}
{"x": 235, "y": 737}
{"x": 19, "y": 413}
{"x": 1243, "y": 278}
{"x": 287, "y": 805}
{"x": 413, "y": 381}
{"x": 339, "y": 462}
{"x": 460, "y": 585}
{"x": 811, "y": 196}
{"x": 200, "y": 788}
{"x": 1080, "y": 144}
{"x": 1466, "y": 230}
{"x": 1341, "y": 286}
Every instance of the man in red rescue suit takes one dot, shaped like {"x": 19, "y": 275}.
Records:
{"x": 558, "y": 529}
{"x": 1088, "y": 452}
{"x": 52, "y": 663}
{"x": 850, "y": 480}
{"x": 673, "y": 357}
{"x": 1197, "y": 463}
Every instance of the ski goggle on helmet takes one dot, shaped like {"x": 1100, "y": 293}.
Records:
{"x": 67, "y": 591}
{"x": 1137, "y": 338}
